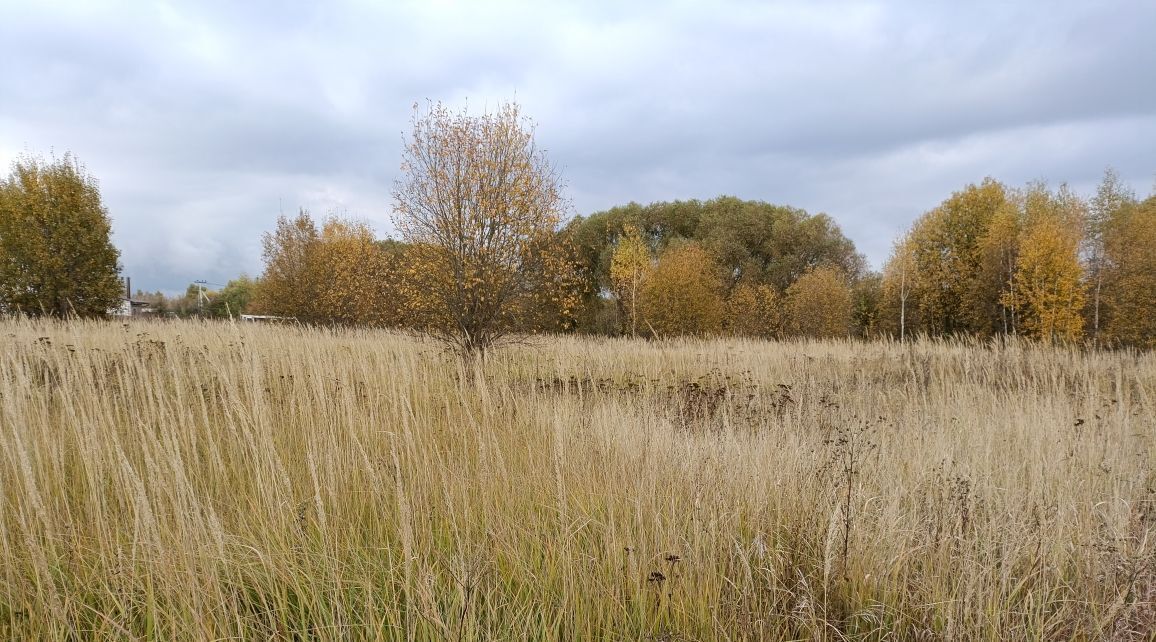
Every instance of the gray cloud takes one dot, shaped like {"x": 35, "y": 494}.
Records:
{"x": 204, "y": 120}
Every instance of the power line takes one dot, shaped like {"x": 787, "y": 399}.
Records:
{"x": 201, "y": 296}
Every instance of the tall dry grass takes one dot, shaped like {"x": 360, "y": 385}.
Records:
{"x": 215, "y": 481}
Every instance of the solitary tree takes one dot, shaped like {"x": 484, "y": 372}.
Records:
{"x": 480, "y": 206}
{"x": 56, "y": 255}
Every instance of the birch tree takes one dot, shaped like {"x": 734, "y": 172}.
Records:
{"x": 630, "y": 265}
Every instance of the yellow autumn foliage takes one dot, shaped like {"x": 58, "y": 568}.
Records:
{"x": 630, "y": 266}
{"x": 684, "y": 294}
{"x": 1048, "y": 291}
{"x": 339, "y": 274}
{"x": 819, "y": 305}
{"x": 56, "y": 254}
{"x": 754, "y": 310}
{"x": 480, "y": 206}
{"x": 1130, "y": 276}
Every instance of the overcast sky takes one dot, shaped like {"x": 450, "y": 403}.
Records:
{"x": 204, "y": 120}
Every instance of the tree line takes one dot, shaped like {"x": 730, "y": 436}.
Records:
{"x": 989, "y": 261}
{"x": 485, "y": 254}
{"x": 1047, "y": 264}
{"x": 723, "y": 266}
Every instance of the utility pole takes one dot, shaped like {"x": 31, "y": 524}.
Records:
{"x": 201, "y": 297}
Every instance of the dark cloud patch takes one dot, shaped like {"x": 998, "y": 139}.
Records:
{"x": 204, "y": 120}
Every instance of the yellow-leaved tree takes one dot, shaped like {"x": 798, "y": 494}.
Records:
{"x": 630, "y": 265}
{"x": 1129, "y": 289}
{"x": 946, "y": 243}
{"x": 1048, "y": 290}
{"x": 291, "y": 283}
{"x": 358, "y": 276}
{"x": 480, "y": 206}
{"x": 56, "y": 254}
{"x": 1109, "y": 215}
{"x": 754, "y": 310}
{"x": 995, "y": 273}
{"x": 338, "y": 274}
{"x": 819, "y": 304}
{"x": 684, "y": 294}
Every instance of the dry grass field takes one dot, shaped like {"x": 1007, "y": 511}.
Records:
{"x": 217, "y": 481}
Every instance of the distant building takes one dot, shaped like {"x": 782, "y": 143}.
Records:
{"x": 128, "y": 307}
{"x": 266, "y": 318}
